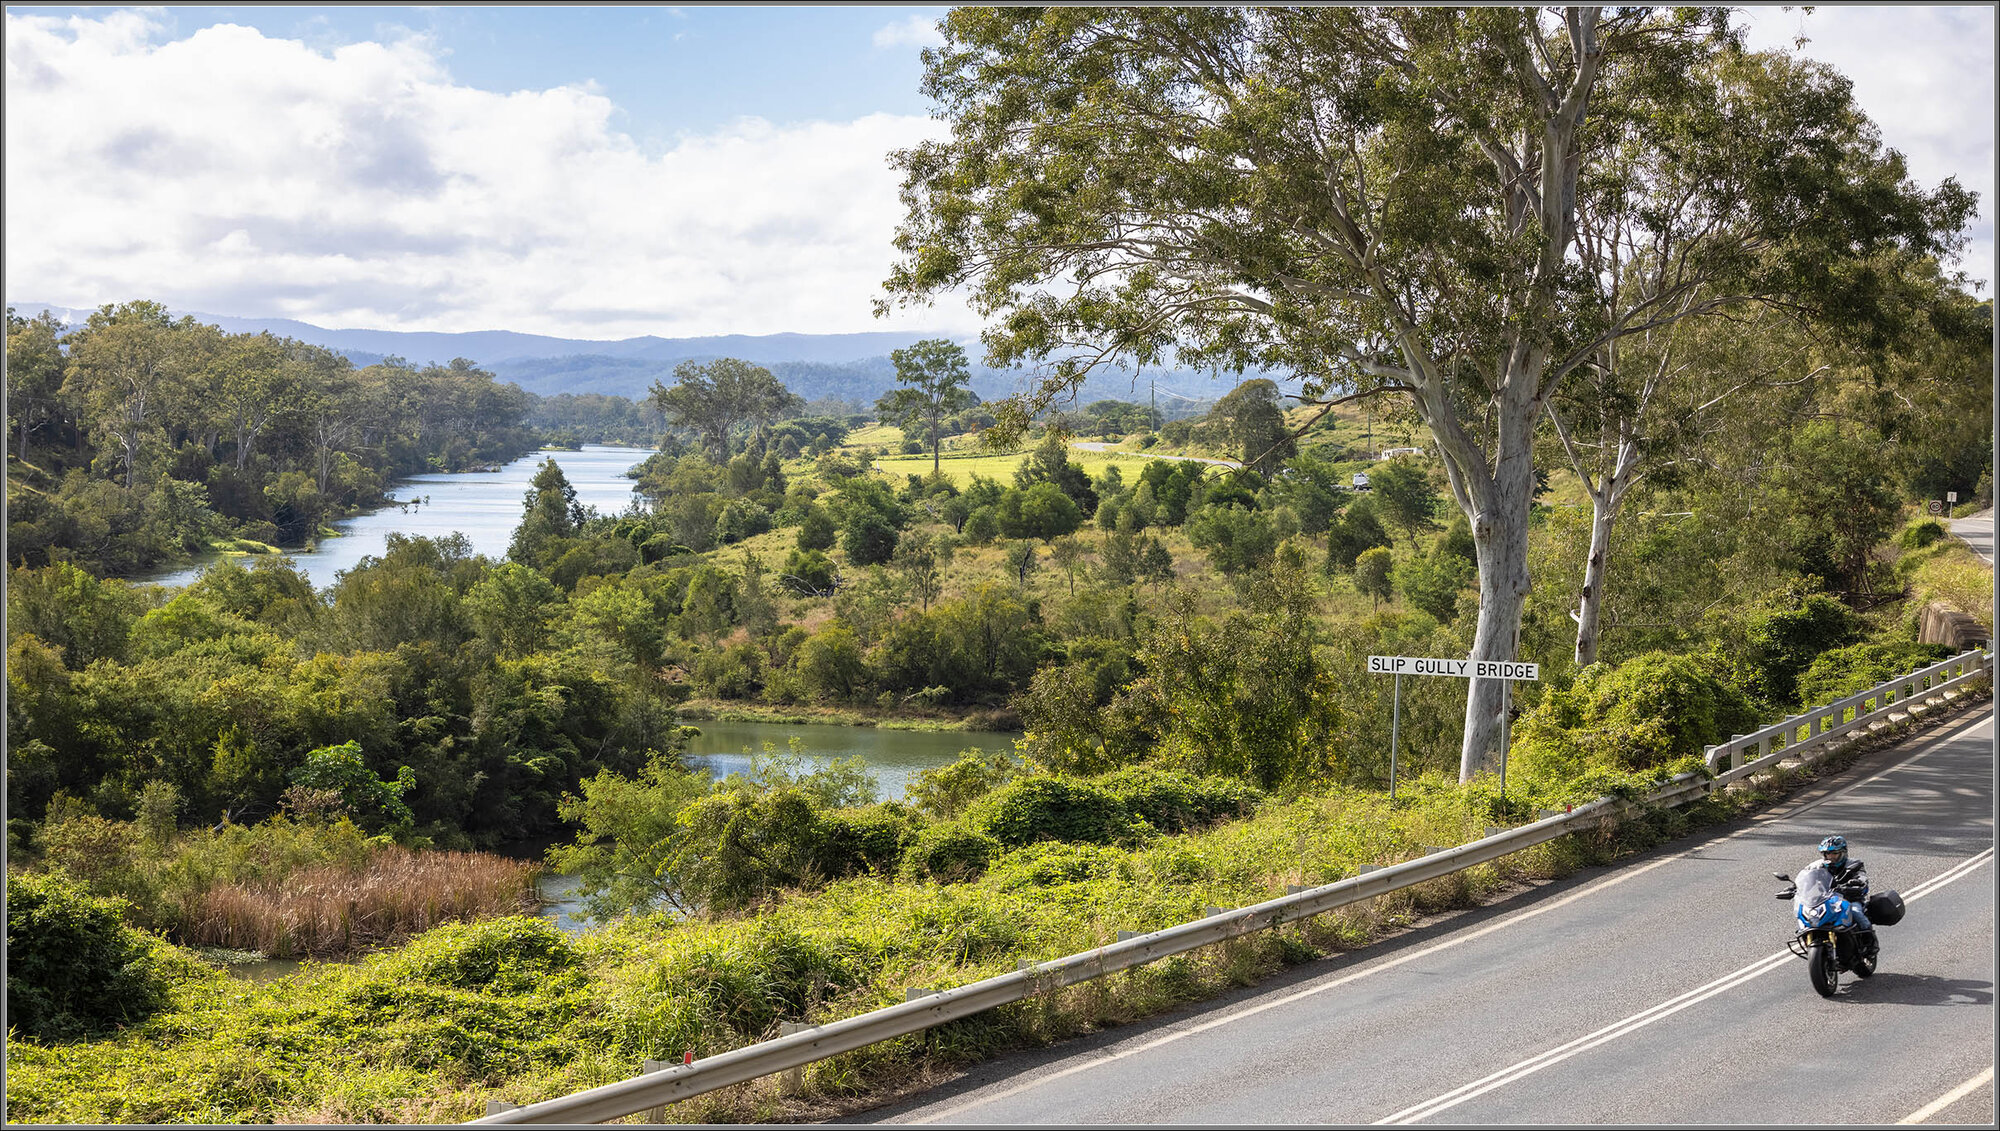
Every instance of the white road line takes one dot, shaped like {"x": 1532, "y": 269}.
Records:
{"x": 1644, "y": 1017}
{"x": 1252, "y": 1011}
{"x": 1937, "y": 744}
{"x": 1612, "y": 881}
{"x": 1949, "y": 1098}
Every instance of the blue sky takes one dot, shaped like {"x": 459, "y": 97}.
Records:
{"x": 596, "y": 172}
{"x": 670, "y": 70}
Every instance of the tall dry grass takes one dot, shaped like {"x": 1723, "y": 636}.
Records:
{"x": 332, "y": 911}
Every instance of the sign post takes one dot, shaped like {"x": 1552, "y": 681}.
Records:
{"x": 1395, "y": 731}
{"x": 1507, "y": 671}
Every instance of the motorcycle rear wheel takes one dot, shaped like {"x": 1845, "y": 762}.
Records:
{"x": 1823, "y": 966}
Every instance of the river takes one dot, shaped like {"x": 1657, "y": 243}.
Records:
{"x": 485, "y": 506}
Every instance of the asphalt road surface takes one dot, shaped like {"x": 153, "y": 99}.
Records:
{"x": 1656, "y": 991}
{"x": 1976, "y": 531}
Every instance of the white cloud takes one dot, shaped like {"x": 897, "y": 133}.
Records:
{"x": 915, "y": 31}
{"x": 1925, "y": 76}
{"x": 234, "y": 173}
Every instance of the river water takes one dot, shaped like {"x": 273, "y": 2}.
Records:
{"x": 485, "y": 506}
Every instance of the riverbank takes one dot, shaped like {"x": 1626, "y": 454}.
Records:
{"x": 739, "y": 711}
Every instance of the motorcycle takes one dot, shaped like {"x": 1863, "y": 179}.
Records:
{"x": 1830, "y": 938}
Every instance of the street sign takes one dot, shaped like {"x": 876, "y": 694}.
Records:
{"x": 1400, "y": 666}
{"x": 1462, "y": 669}
{"x": 1951, "y": 496}
{"x": 1932, "y": 506}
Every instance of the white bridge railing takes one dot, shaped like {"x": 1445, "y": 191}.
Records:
{"x": 1804, "y": 737}
{"x": 1747, "y": 753}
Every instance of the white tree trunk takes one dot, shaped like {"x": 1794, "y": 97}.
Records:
{"x": 1497, "y": 506}
{"x": 1603, "y": 512}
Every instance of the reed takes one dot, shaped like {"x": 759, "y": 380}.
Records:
{"x": 335, "y": 910}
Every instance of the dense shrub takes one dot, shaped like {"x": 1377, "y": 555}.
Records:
{"x": 1042, "y": 865}
{"x": 1175, "y": 802}
{"x": 1858, "y": 667}
{"x": 1052, "y": 807}
{"x": 506, "y": 954}
{"x": 73, "y": 967}
{"x": 1920, "y": 533}
{"x": 1785, "y": 641}
{"x": 951, "y": 853}
{"x": 1644, "y": 712}
{"x": 946, "y": 791}
{"x": 817, "y": 531}
{"x": 868, "y": 538}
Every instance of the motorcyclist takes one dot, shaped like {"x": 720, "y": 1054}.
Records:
{"x": 1845, "y": 871}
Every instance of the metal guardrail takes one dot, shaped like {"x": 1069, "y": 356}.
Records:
{"x": 684, "y": 1081}
{"x": 1745, "y": 754}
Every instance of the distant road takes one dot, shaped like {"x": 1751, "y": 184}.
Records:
{"x": 1101, "y": 446}
{"x": 1976, "y": 531}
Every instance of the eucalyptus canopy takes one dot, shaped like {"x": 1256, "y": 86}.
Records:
{"x": 1388, "y": 200}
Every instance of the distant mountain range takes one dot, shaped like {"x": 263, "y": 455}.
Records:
{"x": 855, "y": 367}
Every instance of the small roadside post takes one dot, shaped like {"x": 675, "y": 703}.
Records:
{"x": 1507, "y": 671}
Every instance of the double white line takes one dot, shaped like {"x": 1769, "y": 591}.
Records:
{"x": 1643, "y": 1018}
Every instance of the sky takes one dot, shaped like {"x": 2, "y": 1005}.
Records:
{"x": 599, "y": 172}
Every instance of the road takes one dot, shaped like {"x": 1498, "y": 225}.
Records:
{"x": 1103, "y": 446}
{"x": 1976, "y": 531}
{"x": 1657, "y": 991}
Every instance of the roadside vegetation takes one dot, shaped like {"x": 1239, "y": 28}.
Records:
{"x": 251, "y": 765}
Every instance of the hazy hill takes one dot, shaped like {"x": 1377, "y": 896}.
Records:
{"x": 854, "y": 367}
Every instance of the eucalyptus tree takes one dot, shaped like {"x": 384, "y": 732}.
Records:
{"x": 934, "y": 377}
{"x": 122, "y": 365}
{"x": 1379, "y": 200}
{"x": 711, "y": 398}
{"x": 35, "y": 366}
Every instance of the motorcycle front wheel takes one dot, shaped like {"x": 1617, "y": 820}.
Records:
{"x": 1824, "y": 967}
{"x": 1864, "y": 967}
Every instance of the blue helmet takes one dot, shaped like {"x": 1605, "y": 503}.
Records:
{"x": 1833, "y": 849}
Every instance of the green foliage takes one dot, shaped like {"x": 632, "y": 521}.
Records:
{"x": 1783, "y": 642}
{"x": 505, "y": 955}
{"x": 1371, "y": 574}
{"x": 948, "y": 853}
{"x": 343, "y": 770}
{"x": 1837, "y": 504}
{"x": 1174, "y": 802}
{"x": 1238, "y": 540}
{"x": 1049, "y": 464}
{"x": 1920, "y": 532}
{"x": 1051, "y": 807}
{"x": 1846, "y": 671}
{"x": 868, "y": 538}
{"x": 946, "y": 791}
{"x": 1356, "y": 532}
{"x": 817, "y": 531}
{"x": 809, "y": 571}
{"x": 73, "y": 968}
{"x": 1433, "y": 582}
{"x": 1404, "y": 495}
{"x": 1639, "y": 715}
{"x": 1045, "y": 865}
{"x": 934, "y": 376}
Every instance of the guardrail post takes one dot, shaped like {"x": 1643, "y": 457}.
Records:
{"x": 655, "y": 1114}
{"x": 793, "y": 1079}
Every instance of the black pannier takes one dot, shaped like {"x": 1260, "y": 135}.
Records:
{"x": 1885, "y": 909}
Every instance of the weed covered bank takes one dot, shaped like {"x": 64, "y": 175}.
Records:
{"x": 511, "y": 1009}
